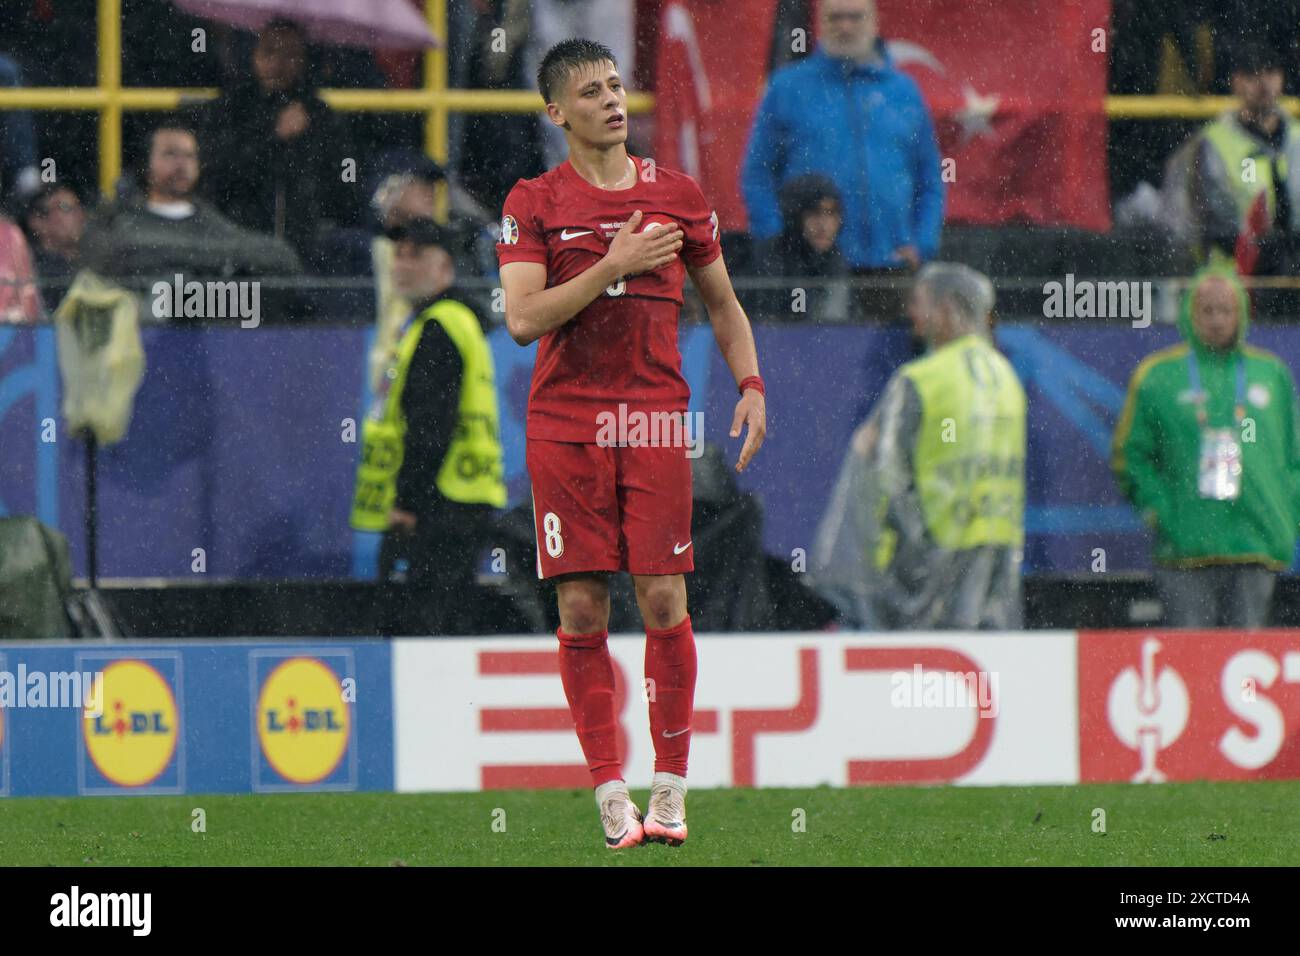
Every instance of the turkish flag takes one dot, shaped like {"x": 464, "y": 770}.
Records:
{"x": 710, "y": 72}
{"x": 1017, "y": 90}
{"x": 1257, "y": 226}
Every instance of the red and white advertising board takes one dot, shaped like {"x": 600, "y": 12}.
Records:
{"x": 780, "y": 710}
{"x": 1189, "y": 705}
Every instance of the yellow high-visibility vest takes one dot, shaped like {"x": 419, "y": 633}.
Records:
{"x": 970, "y": 451}
{"x": 473, "y": 470}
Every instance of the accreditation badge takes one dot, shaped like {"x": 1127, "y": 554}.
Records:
{"x": 1219, "y": 477}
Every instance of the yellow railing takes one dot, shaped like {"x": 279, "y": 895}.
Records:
{"x": 110, "y": 98}
{"x": 434, "y": 100}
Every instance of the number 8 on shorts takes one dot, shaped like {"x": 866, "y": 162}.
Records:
{"x": 551, "y": 529}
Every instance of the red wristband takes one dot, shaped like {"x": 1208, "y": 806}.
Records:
{"x": 755, "y": 382}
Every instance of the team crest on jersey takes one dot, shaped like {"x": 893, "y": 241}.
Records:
{"x": 509, "y": 230}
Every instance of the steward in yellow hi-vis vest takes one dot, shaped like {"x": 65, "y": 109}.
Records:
{"x": 1245, "y": 168}
{"x": 471, "y": 470}
{"x": 925, "y": 528}
{"x": 431, "y": 472}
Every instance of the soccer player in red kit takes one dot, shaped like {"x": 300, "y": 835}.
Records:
{"x": 593, "y": 258}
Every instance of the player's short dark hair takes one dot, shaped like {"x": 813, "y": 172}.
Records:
{"x": 565, "y": 57}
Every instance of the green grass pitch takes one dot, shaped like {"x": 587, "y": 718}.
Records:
{"x": 1192, "y": 824}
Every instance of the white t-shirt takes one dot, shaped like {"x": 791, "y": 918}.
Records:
{"x": 172, "y": 210}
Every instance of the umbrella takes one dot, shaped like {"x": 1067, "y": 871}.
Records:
{"x": 383, "y": 24}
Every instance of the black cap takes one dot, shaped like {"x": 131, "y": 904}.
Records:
{"x": 1254, "y": 55}
{"x": 422, "y": 167}
{"x": 422, "y": 231}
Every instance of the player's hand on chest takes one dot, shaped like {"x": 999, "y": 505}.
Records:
{"x": 588, "y": 238}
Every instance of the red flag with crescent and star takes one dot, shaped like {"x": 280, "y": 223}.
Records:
{"x": 1017, "y": 89}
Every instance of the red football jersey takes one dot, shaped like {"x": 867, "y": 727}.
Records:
{"x": 622, "y": 348}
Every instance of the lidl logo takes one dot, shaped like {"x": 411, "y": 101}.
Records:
{"x": 132, "y": 740}
{"x": 304, "y": 722}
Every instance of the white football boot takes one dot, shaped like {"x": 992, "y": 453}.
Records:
{"x": 619, "y": 816}
{"x": 665, "y": 819}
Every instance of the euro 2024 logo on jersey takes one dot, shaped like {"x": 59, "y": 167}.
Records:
{"x": 509, "y": 230}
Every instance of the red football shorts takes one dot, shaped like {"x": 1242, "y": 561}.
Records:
{"x": 610, "y": 508}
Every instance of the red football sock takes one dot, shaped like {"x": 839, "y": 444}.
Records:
{"x": 670, "y": 663}
{"x": 588, "y": 677}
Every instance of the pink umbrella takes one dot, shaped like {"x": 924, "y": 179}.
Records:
{"x": 384, "y": 24}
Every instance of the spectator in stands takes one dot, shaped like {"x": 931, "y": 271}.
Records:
{"x": 846, "y": 113}
{"x": 807, "y": 249}
{"x": 431, "y": 472}
{"x": 411, "y": 194}
{"x": 1207, "y": 451}
{"x": 169, "y": 230}
{"x": 276, "y": 153}
{"x": 1248, "y": 160}
{"x": 408, "y": 195}
{"x": 925, "y": 528}
{"x": 407, "y": 186}
{"x": 55, "y": 221}
{"x": 19, "y": 299}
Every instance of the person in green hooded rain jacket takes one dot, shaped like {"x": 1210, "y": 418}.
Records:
{"x": 1206, "y": 449}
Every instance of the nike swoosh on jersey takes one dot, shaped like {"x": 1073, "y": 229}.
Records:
{"x": 574, "y": 235}
{"x": 677, "y": 734}
{"x": 679, "y": 548}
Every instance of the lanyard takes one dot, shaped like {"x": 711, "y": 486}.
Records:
{"x": 390, "y": 366}
{"x": 407, "y": 322}
{"x": 1194, "y": 376}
